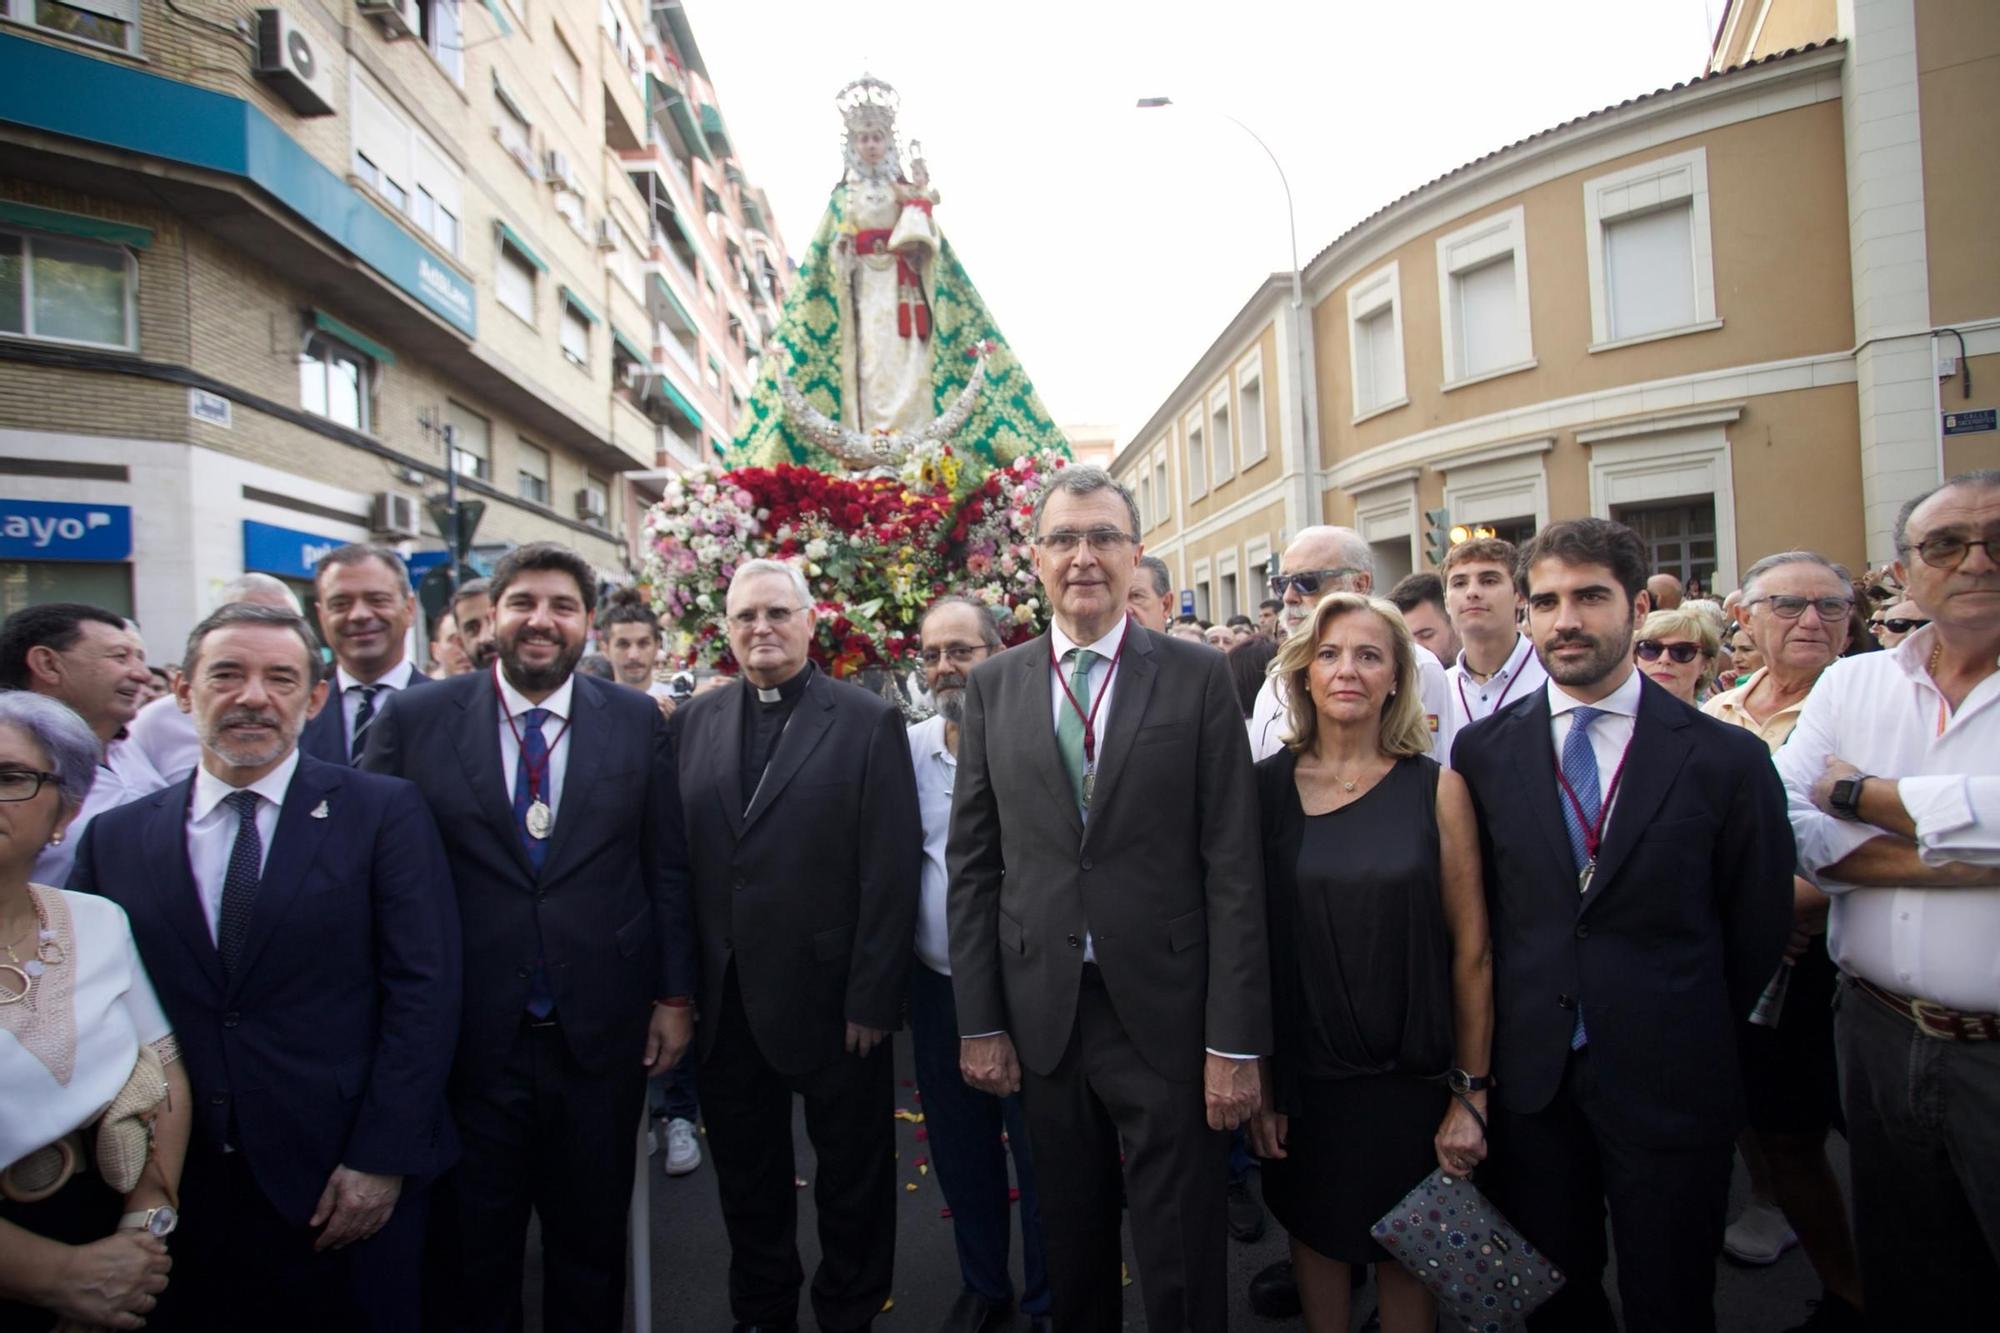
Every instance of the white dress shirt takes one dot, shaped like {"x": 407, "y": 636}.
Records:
{"x": 1881, "y": 712}
{"x": 936, "y": 767}
{"x": 1519, "y": 676}
{"x": 165, "y": 736}
{"x": 396, "y": 677}
{"x": 1269, "y": 722}
{"x": 555, "y": 731}
{"x": 1101, "y": 684}
{"x": 212, "y": 828}
{"x": 1610, "y": 735}
{"x": 124, "y": 776}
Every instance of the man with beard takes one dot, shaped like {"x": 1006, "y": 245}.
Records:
{"x": 804, "y": 838}
{"x": 366, "y": 607}
{"x": 472, "y": 609}
{"x": 93, "y": 661}
{"x": 296, "y": 922}
{"x": 966, "y": 1126}
{"x": 557, "y": 797}
{"x": 1639, "y": 886}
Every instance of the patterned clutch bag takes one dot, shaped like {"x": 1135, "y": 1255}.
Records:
{"x": 1486, "y": 1276}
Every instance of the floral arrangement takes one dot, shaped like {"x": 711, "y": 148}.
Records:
{"x": 875, "y": 551}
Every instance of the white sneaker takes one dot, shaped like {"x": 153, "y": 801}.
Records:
{"x": 683, "y": 1149}
{"x": 1760, "y": 1236}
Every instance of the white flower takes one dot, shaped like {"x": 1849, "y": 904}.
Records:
{"x": 816, "y": 549}
{"x": 705, "y": 602}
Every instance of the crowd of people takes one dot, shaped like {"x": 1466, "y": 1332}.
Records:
{"x": 323, "y": 977}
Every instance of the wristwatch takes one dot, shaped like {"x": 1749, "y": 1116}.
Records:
{"x": 1846, "y": 797}
{"x": 1461, "y": 1082}
{"x": 159, "y": 1221}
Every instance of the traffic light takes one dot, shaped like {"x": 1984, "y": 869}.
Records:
{"x": 1439, "y": 535}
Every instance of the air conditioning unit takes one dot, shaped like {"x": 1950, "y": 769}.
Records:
{"x": 589, "y": 506}
{"x": 288, "y": 59}
{"x": 635, "y": 373}
{"x": 607, "y": 234}
{"x": 394, "y": 514}
{"x": 397, "y": 18}
{"x": 558, "y": 168}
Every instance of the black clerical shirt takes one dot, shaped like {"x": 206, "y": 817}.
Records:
{"x": 765, "y": 713}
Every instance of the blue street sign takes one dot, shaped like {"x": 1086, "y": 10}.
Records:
{"x": 51, "y": 530}
{"x": 1187, "y": 601}
{"x": 422, "y": 563}
{"x": 286, "y": 552}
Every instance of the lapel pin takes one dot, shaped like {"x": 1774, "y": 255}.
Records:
{"x": 319, "y": 811}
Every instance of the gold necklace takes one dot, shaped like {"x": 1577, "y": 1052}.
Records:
{"x": 48, "y": 953}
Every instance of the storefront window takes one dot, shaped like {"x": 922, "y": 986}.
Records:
{"x": 25, "y": 583}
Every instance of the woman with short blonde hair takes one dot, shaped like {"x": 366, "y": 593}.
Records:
{"x": 1678, "y": 650}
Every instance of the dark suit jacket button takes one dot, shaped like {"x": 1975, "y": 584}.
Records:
{"x": 1583, "y": 932}
{"x": 1566, "y": 1001}
{"x": 218, "y": 1100}
{"x": 1086, "y": 863}
{"x": 230, "y": 1019}
{"x": 521, "y": 972}
{"x": 1075, "y": 943}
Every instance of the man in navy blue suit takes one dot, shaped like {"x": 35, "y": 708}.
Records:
{"x": 297, "y": 923}
{"x": 557, "y": 797}
{"x": 365, "y": 610}
{"x": 1638, "y": 887}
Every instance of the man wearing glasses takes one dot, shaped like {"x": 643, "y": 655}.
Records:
{"x": 804, "y": 848}
{"x": 1328, "y": 559}
{"x": 1795, "y": 608}
{"x": 1106, "y": 915}
{"x": 1893, "y": 774}
{"x": 971, "y": 1132}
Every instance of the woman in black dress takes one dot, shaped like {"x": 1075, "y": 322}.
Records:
{"x": 1381, "y": 975}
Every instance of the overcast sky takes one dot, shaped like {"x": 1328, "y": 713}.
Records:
{"x": 1113, "y": 244}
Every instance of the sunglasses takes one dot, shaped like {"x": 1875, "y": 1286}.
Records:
{"x": 1309, "y": 581}
{"x": 1898, "y": 625}
{"x": 1649, "y": 650}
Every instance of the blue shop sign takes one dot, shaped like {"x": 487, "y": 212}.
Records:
{"x": 51, "y": 530}
{"x": 286, "y": 552}
{"x": 422, "y": 563}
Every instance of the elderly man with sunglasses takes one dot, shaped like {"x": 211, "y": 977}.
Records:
{"x": 1893, "y": 773}
{"x": 1318, "y": 561}
{"x": 1795, "y": 609}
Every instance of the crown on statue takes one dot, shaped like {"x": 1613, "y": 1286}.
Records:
{"x": 868, "y": 103}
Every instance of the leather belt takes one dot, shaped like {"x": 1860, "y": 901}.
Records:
{"x": 1930, "y": 1018}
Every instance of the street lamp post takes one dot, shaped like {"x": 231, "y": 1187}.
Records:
{"x": 1302, "y": 505}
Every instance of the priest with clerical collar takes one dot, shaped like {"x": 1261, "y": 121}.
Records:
{"x": 806, "y": 851}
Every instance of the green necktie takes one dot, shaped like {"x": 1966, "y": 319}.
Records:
{"x": 1069, "y": 731}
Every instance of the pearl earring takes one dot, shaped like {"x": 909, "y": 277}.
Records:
{"x": 55, "y": 840}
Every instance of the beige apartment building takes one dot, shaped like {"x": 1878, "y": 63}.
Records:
{"x": 1754, "y": 311}
{"x": 259, "y": 264}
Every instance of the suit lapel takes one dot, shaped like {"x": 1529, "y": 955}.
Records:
{"x": 325, "y": 736}
{"x": 478, "y": 742}
{"x": 725, "y": 757}
{"x": 1535, "y": 760}
{"x": 166, "y": 854}
{"x": 1138, "y": 669}
{"x": 811, "y": 719}
{"x": 1659, "y": 748}
{"x": 294, "y": 847}
{"x": 1040, "y": 734}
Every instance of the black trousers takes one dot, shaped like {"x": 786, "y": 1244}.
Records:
{"x": 850, "y": 1118}
{"x": 239, "y": 1264}
{"x": 1554, "y": 1174}
{"x": 547, "y": 1136}
{"x": 1103, "y": 1092}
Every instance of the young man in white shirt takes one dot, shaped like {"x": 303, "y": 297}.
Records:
{"x": 1893, "y": 776}
{"x": 1496, "y": 663}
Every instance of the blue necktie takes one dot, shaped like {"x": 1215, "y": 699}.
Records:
{"x": 534, "y": 757}
{"x": 239, "y": 882}
{"x": 1579, "y": 769}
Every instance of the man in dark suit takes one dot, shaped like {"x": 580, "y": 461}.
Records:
{"x": 1638, "y": 880}
{"x": 365, "y": 610}
{"x": 1107, "y": 920}
{"x": 556, "y": 796}
{"x": 806, "y": 845}
{"x": 295, "y": 918}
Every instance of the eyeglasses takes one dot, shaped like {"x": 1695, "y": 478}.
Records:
{"x": 1102, "y": 540}
{"x": 1898, "y": 625}
{"x": 23, "y": 784}
{"x": 1649, "y": 650}
{"x": 1309, "y": 581}
{"x": 1947, "y": 550}
{"x": 957, "y": 654}
{"x": 1787, "y": 607}
{"x": 775, "y": 616}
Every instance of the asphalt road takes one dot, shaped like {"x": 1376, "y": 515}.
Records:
{"x": 690, "y": 1255}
